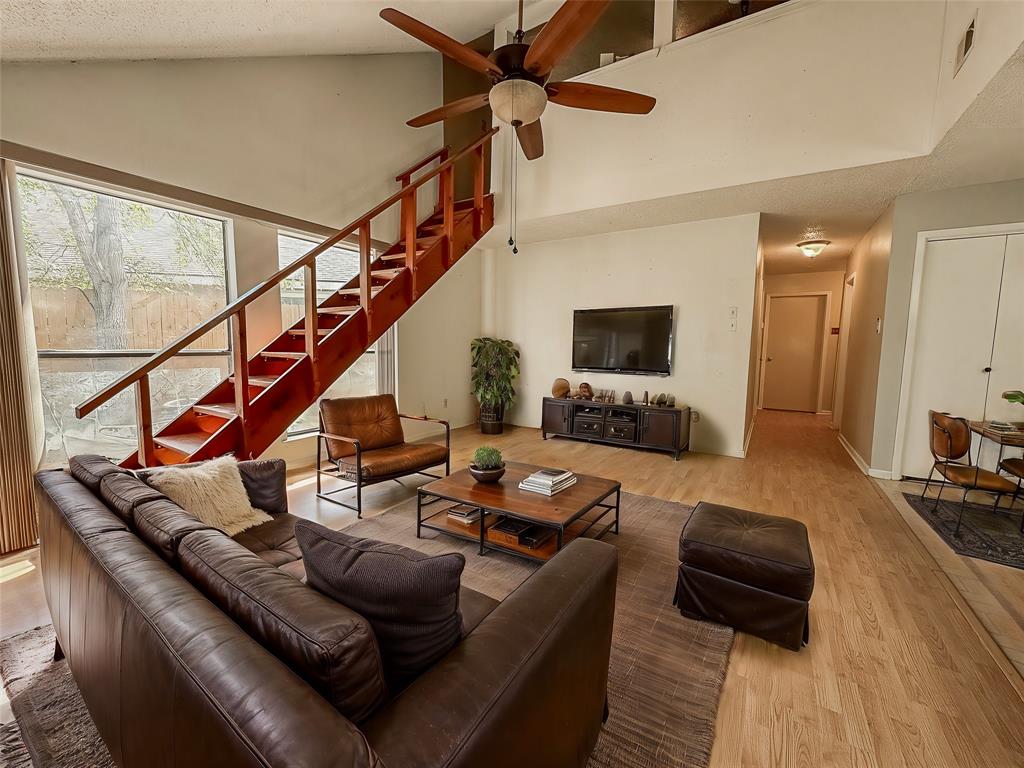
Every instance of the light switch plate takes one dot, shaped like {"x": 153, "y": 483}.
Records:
{"x": 733, "y": 311}
{"x": 732, "y": 324}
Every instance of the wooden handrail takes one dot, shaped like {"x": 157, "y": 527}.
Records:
{"x": 307, "y": 259}
{"x": 441, "y": 153}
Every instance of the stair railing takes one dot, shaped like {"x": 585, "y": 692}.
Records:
{"x": 234, "y": 312}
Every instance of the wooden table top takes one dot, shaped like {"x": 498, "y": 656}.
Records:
{"x": 505, "y": 496}
{"x": 1003, "y": 437}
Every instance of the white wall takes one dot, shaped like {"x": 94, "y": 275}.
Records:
{"x": 806, "y": 282}
{"x": 702, "y": 268}
{"x": 319, "y": 137}
{"x": 794, "y": 90}
{"x": 977, "y": 205}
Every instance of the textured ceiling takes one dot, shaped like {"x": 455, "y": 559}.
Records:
{"x": 985, "y": 145}
{"x": 36, "y": 30}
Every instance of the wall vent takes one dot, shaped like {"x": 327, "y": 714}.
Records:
{"x": 966, "y": 45}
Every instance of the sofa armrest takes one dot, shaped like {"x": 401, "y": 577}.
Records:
{"x": 526, "y": 687}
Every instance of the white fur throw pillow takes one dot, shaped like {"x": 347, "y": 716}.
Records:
{"x": 213, "y": 492}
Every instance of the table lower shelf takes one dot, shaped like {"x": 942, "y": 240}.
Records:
{"x": 439, "y": 521}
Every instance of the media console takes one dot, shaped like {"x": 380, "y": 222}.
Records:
{"x": 638, "y": 426}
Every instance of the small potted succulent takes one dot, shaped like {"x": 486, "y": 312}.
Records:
{"x": 487, "y": 466}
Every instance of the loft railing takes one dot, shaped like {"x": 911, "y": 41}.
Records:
{"x": 235, "y": 311}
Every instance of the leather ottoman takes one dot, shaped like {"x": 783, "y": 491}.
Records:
{"x": 750, "y": 571}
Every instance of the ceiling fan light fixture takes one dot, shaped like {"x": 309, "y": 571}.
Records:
{"x": 517, "y": 102}
{"x": 812, "y": 248}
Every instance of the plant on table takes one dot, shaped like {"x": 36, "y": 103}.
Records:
{"x": 486, "y": 457}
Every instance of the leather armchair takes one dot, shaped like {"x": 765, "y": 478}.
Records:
{"x": 365, "y": 444}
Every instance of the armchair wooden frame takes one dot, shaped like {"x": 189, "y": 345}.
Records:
{"x": 360, "y": 482}
{"x": 949, "y": 457}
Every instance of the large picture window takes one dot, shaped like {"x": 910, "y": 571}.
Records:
{"x": 112, "y": 280}
{"x": 334, "y": 268}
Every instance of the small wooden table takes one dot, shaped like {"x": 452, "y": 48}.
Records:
{"x": 565, "y": 512}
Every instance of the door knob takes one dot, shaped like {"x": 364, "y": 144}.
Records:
{"x": 769, "y": 359}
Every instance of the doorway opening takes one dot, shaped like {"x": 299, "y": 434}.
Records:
{"x": 795, "y": 351}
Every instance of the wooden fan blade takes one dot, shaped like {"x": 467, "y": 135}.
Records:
{"x": 531, "y": 139}
{"x": 451, "y": 109}
{"x": 439, "y": 41}
{"x": 560, "y": 35}
{"x": 599, "y": 97}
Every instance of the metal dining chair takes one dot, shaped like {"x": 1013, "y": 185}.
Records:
{"x": 950, "y": 442}
{"x": 1015, "y": 467}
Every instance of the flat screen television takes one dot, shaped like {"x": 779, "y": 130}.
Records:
{"x": 624, "y": 340}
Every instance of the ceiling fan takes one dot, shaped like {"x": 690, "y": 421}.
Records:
{"x": 519, "y": 73}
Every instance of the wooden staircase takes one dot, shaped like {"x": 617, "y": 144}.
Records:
{"x": 247, "y": 411}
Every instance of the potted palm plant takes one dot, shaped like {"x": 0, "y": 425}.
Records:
{"x": 495, "y": 367}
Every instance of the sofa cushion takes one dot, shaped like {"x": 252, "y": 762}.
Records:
{"x": 373, "y": 421}
{"x": 410, "y": 598}
{"x": 89, "y": 469}
{"x": 394, "y": 460}
{"x": 123, "y": 492}
{"x": 212, "y": 491}
{"x": 274, "y": 541}
{"x": 266, "y": 483}
{"x": 764, "y": 551}
{"x": 323, "y": 642}
{"x": 162, "y": 524}
{"x": 475, "y": 607}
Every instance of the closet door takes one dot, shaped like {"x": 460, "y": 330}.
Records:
{"x": 1008, "y": 346}
{"x": 956, "y": 319}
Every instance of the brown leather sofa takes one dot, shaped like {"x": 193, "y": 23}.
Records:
{"x": 366, "y": 445}
{"x": 194, "y": 649}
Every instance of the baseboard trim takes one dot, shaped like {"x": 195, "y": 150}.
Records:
{"x": 879, "y": 474}
{"x": 861, "y": 464}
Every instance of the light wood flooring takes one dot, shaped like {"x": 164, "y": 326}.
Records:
{"x": 899, "y": 671}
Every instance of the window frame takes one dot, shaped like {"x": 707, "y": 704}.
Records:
{"x": 67, "y": 180}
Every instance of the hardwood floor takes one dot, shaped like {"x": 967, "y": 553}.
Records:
{"x": 896, "y": 673}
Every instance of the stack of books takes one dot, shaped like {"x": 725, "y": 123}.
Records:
{"x": 464, "y": 514}
{"x": 548, "y": 481}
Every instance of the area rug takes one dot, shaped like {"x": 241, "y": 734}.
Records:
{"x": 56, "y": 730}
{"x": 666, "y": 672}
{"x": 985, "y": 534}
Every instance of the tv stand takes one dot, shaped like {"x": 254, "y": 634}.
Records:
{"x": 633, "y": 426}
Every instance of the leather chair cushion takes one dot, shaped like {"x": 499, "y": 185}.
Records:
{"x": 764, "y": 551}
{"x": 1013, "y": 466}
{"x": 124, "y": 492}
{"x": 474, "y": 606}
{"x": 89, "y": 469}
{"x": 409, "y": 597}
{"x": 273, "y": 541}
{"x": 162, "y": 524}
{"x": 373, "y": 421}
{"x": 967, "y": 476}
{"x": 395, "y": 460}
{"x": 323, "y": 642}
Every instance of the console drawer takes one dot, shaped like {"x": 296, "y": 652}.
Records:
{"x": 589, "y": 427}
{"x": 626, "y": 432}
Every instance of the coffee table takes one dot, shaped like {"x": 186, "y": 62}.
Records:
{"x": 571, "y": 513}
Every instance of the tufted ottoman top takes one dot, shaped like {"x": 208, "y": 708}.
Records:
{"x": 763, "y": 551}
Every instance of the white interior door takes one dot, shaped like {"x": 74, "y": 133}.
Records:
{"x": 1008, "y": 345}
{"x": 844, "y": 349}
{"x": 793, "y": 351}
{"x": 956, "y": 319}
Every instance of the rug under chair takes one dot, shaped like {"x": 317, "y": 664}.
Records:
{"x": 665, "y": 675}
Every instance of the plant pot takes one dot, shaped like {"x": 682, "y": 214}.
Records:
{"x": 492, "y": 419}
{"x": 487, "y": 475}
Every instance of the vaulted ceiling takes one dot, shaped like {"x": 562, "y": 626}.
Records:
{"x": 46, "y": 30}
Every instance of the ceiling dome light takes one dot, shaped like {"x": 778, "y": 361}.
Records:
{"x": 518, "y": 102}
{"x": 812, "y": 248}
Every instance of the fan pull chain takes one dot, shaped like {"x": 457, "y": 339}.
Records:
{"x": 514, "y": 184}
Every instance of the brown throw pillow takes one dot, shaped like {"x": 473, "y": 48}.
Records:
{"x": 411, "y": 599}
